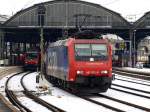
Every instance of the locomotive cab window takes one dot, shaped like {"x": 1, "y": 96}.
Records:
{"x": 83, "y": 52}
{"x": 32, "y": 55}
{"x": 99, "y": 50}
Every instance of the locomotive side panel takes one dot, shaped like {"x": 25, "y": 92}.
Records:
{"x": 57, "y": 62}
{"x": 81, "y": 65}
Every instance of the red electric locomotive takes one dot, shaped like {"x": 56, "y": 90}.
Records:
{"x": 32, "y": 60}
{"x": 82, "y": 65}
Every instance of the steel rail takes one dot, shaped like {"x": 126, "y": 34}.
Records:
{"x": 124, "y": 102}
{"x": 130, "y": 93}
{"x": 11, "y": 96}
{"x": 147, "y": 92}
{"x": 101, "y": 104}
{"x": 134, "y": 72}
{"x": 92, "y": 101}
{"x": 132, "y": 81}
{"x": 132, "y": 78}
{"x": 39, "y": 100}
{"x": 125, "y": 73}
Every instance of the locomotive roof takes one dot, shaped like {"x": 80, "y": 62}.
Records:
{"x": 59, "y": 43}
{"x": 96, "y": 41}
{"x": 64, "y": 42}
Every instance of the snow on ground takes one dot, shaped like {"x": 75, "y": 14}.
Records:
{"x": 132, "y": 79}
{"x": 34, "y": 107}
{"x": 14, "y": 83}
{"x": 132, "y": 91}
{"x": 117, "y": 105}
{"x": 2, "y": 83}
{"x": 72, "y": 103}
{"x": 30, "y": 81}
{"x": 144, "y": 70}
{"x": 63, "y": 99}
{"x": 128, "y": 97}
{"x": 132, "y": 85}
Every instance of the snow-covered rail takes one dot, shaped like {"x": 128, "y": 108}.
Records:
{"x": 123, "y": 102}
{"x": 103, "y": 104}
{"x": 132, "y": 74}
{"x": 12, "y": 97}
{"x": 15, "y": 89}
{"x": 4, "y": 72}
{"x": 40, "y": 101}
{"x": 126, "y": 94}
{"x": 115, "y": 104}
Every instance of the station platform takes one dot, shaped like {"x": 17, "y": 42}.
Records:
{"x": 136, "y": 70}
{"x": 4, "y": 107}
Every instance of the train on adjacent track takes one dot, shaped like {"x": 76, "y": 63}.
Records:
{"x": 32, "y": 60}
{"x": 80, "y": 65}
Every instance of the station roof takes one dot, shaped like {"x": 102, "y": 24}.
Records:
{"x": 3, "y": 18}
{"x": 66, "y": 14}
{"x": 143, "y": 22}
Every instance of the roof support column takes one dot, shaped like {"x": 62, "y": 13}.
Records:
{"x": 11, "y": 57}
{"x": 131, "y": 46}
{"x": 1, "y": 44}
{"x": 24, "y": 47}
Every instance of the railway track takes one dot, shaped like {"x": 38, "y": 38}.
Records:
{"x": 98, "y": 100}
{"x": 13, "y": 97}
{"x": 142, "y": 82}
{"x": 127, "y": 90}
{"x": 111, "y": 107}
{"x": 5, "y": 71}
{"x": 93, "y": 101}
{"x": 131, "y": 90}
{"x": 143, "y": 91}
{"x": 117, "y": 109}
{"x": 124, "y": 102}
{"x": 102, "y": 104}
{"x": 144, "y": 76}
{"x": 40, "y": 101}
{"x": 129, "y": 104}
{"x": 132, "y": 93}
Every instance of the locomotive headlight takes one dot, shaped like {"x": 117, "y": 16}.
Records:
{"x": 104, "y": 72}
{"x": 80, "y": 72}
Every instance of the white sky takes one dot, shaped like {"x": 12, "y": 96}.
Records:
{"x": 125, "y": 7}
